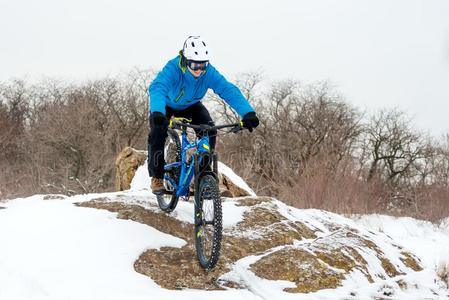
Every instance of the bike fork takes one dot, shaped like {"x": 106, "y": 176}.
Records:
{"x": 196, "y": 197}
{"x": 215, "y": 164}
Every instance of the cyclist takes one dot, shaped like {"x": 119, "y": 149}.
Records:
{"x": 178, "y": 90}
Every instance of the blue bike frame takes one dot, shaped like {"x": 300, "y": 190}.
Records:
{"x": 187, "y": 167}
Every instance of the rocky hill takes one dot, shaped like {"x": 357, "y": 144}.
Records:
{"x": 308, "y": 250}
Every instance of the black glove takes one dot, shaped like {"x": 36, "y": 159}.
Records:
{"x": 250, "y": 121}
{"x": 158, "y": 119}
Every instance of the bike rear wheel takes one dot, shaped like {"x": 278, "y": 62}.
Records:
{"x": 208, "y": 221}
{"x": 172, "y": 153}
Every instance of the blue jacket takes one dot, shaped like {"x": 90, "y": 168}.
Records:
{"x": 177, "y": 88}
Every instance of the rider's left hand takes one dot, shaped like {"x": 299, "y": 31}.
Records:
{"x": 250, "y": 121}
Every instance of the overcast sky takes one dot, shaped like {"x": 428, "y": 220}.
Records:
{"x": 383, "y": 53}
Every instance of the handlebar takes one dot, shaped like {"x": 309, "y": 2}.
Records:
{"x": 181, "y": 123}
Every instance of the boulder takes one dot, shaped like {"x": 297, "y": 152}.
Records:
{"x": 231, "y": 185}
{"x": 126, "y": 165}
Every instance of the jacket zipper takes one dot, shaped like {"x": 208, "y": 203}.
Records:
{"x": 179, "y": 96}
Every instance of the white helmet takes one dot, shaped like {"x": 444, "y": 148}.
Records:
{"x": 195, "y": 48}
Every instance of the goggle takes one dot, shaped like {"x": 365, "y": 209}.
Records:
{"x": 197, "y": 65}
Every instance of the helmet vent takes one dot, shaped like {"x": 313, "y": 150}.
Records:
{"x": 193, "y": 44}
{"x": 196, "y": 53}
{"x": 204, "y": 44}
{"x": 207, "y": 52}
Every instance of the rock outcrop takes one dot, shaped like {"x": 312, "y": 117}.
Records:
{"x": 312, "y": 249}
{"x": 126, "y": 165}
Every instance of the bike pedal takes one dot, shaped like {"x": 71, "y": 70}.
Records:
{"x": 160, "y": 192}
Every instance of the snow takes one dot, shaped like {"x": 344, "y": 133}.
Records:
{"x": 53, "y": 249}
{"x": 428, "y": 241}
{"x": 141, "y": 179}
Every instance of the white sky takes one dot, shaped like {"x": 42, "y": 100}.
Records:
{"x": 380, "y": 53}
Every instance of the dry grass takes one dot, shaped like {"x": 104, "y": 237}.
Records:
{"x": 333, "y": 192}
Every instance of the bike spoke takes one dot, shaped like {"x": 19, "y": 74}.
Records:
{"x": 207, "y": 239}
{"x": 208, "y": 211}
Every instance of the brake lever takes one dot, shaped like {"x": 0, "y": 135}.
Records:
{"x": 236, "y": 128}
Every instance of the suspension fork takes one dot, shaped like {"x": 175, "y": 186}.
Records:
{"x": 196, "y": 178}
{"x": 196, "y": 197}
{"x": 215, "y": 164}
{"x": 213, "y": 160}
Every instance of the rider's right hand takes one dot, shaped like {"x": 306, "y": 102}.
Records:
{"x": 159, "y": 119}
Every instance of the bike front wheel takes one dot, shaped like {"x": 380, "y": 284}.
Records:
{"x": 208, "y": 221}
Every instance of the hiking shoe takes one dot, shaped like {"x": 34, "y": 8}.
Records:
{"x": 157, "y": 186}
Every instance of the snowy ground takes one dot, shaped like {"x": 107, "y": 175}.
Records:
{"x": 52, "y": 249}
{"x": 428, "y": 241}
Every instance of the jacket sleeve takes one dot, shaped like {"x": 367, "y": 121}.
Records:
{"x": 159, "y": 88}
{"x": 230, "y": 93}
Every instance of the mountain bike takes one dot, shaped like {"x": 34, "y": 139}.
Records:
{"x": 181, "y": 166}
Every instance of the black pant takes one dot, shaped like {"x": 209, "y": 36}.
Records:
{"x": 156, "y": 139}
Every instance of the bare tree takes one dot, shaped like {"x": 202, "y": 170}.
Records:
{"x": 300, "y": 125}
{"x": 248, "y": 83}
{"x": 312, "y": 148}
{"x": 434, "y": 169}
{"x": 64, "y": 137}
{"x": 394, "y": 145}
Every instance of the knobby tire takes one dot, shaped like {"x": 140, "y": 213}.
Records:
{"x": 208, "y": 222}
